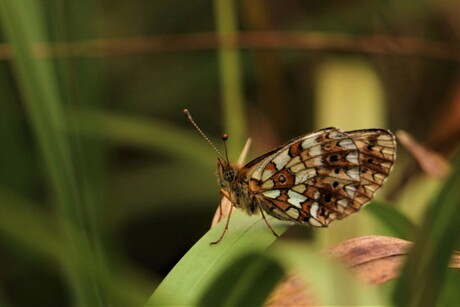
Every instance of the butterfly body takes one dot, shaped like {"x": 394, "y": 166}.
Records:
{"x": 312, "y": 179}
{"x": 234, "y": 184}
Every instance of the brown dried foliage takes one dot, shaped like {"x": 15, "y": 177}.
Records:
{"x": 372, "y": 259}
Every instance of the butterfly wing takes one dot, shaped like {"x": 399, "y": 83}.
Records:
{"x": 322, "y": 176}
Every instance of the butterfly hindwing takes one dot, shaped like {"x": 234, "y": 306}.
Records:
{"x": 377, "y": 154}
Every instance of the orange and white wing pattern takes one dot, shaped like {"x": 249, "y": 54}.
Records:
{"x": 322, "y": 176}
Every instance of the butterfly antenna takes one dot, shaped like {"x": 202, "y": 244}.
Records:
{"x": 224, "y": 139}
{"x": 189, "y": 117}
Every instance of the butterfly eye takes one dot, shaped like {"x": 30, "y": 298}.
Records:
{"x": 229, "y": 175}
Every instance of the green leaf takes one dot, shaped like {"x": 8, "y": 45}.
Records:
{"x": 198, "y": 269}
{"x": 424, "y": 274}
{"x": 330, "y": 282}
{"x": 249, "y": 279}
{"x": 144, "y": 133}
{"x": 24, "y": 224}
{"x": 23, "y": 24}
{"x": 230, "y": 75}
{"x": 395, "y": 221}
{"x": 245, "y": 282}
{"x": 193, "y": 280}
{"x": 450, "y": 296}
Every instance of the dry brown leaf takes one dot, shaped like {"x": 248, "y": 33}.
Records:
{"x": 432, "y": 163}
{"x": 373, "y": 259}
{"x": 445, "y": 133}
{"x": 455, "y": 260}
{"x": 291, "y": 291}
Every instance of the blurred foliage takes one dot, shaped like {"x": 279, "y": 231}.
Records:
{"x": 104, "y": 185}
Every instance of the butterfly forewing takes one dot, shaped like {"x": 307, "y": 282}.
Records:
{"x": 322, "y": 176}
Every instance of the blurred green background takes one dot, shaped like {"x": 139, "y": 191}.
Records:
{"x": 104, "y": 185}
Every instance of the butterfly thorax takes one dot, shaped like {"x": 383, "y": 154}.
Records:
{"x": 233, "y": 182}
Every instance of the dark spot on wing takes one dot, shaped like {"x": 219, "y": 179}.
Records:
{"x": 334, "y": 158}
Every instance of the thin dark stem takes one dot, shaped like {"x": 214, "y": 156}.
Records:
{"x": 375, "y": 44}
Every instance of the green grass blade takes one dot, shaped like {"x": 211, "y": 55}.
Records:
{"x": 450, "y": 296}
{"x": 194, "y": 191}
{"x": 230, "y": 76}
{"x": 23, "y": 25}
{"x": 330, "y": 282}
{"x": 246, "y": 282}
{"x": 395, "y": 221}
{"x": 151, "y": 134}
{"x": 249, "y": 279}
{"x": 23, "y": 223}
{"x": 197, "y": 270}
{"x": 425, "y": 271}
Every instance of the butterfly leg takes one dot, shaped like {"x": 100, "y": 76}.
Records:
{"x": 221, "y": 213}
{"x": 226, "y": 195}
{"x": 266, "y": 222}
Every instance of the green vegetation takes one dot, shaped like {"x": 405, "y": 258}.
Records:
{"x": 107, "y": 193}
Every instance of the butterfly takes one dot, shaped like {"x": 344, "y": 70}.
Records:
{"x": 313, "y": 179}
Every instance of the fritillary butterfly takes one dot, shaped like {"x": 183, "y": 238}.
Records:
{"x": 313, "y": 179}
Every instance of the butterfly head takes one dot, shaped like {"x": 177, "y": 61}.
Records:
{"x": 225, "y": 173}
{"x": 235, "y": 190}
